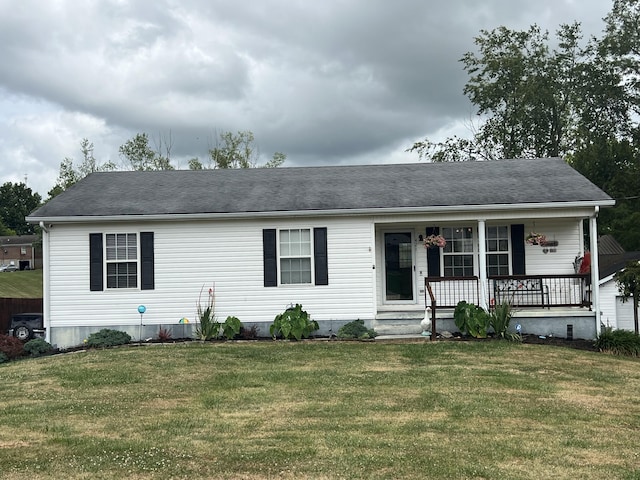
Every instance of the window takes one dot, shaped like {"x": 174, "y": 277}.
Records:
{"x": 122, "y": 260}
{"x": 458, "y": 252}
{"x": 295, "y": 256}
{"x": 498, "y": 250}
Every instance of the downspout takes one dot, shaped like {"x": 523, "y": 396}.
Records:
{"x": 482, "y": 265}
{"x": 45, "y": 281}
{"x": 595, "y": 266}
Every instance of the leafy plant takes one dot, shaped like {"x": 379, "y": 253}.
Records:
{"x": 11, "y": 346}
{"x": 231, "y": 327}
{"x": 471, "y": 319}
{"x": 37, "y": 347}
{"x": 618, "y": 342}
{"x": 3, "y": 357}
{"x": 207, "y": 326}
{"x": 293, "y": 323}
{"x": 107, "y": 338}
{"x": 164, "y": 335}
{"x": 499, "y": 320}
{"x": 356, "y": 330}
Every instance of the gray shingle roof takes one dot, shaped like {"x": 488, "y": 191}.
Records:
{"x": 323, "y": 188}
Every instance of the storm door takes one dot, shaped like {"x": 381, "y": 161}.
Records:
{"x": 398, "y": 263}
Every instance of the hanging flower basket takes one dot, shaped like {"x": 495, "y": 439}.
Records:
{"x": 536, "y": 239}
{"x": 434, "y": 241}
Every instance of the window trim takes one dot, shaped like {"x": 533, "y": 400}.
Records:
{"x": 310, "y": 256}
{"x": 116, "y": 261}
{"x": 473, "y": 253}
{"x": 508, "y": 253}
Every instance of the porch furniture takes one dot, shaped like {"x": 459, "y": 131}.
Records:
{"x": 521, "y": 292}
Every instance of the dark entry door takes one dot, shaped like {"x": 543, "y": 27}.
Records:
{"x": 398, "y": 261}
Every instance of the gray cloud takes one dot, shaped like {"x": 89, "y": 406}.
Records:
{"x": 323, "y": 82}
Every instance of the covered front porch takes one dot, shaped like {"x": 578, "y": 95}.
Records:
{"x": 487, "y": 262}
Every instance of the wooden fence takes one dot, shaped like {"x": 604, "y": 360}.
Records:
{"x": 11, "y": 306}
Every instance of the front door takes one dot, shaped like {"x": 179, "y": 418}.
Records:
{"x": 398, "y": 263}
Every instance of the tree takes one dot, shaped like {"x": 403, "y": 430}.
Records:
{"x": 70, "y": 174}
{"x": 236, "y": 151}
{"x": 142, "y": 157}
{"x": 16, "y": 202}
{"x": 628, "y": 282}
{"x": 534, "y": 101}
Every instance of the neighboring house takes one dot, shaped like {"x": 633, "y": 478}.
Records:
{"x": 343, "y": 241}
{"x": 21, "y": 251}
{"x": 615, "y": 312}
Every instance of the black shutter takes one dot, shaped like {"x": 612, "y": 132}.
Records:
{"x": 320, "y": 256}
{"x": 517, "y": 249}
{"x": 433, "y": 255}
{"x": 95, "y": 262}
{"x": 146, "y": 261}
{"x": 270, "y": 259}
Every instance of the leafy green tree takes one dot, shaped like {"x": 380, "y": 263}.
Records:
{"x": 70, "y": 173}
{"x": 236, "y": 150}
{"x": 628, "y": 282}
{"x": 16, "y": 202}
{"x": 534, "y": 100}
{"x": 140, "y": 156}
{"x": 4, "y": 230}
{"x": 621, "y": 44}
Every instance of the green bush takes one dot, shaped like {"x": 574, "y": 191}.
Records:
{"x": 356, "y": 330}
{"x": 11, "y": 347}
{"x": 499, "y": 320}
{"x": 107, "y": 338}
{"x": 3, "y": 357}
{"x": 471, "y": 319}
{"x": 231, "y": 327}
{"x": 618, "y": 342}
{"x": 208, "y": 327}
{"x": 293, "y": 323}
{"x": 37, "y": 347}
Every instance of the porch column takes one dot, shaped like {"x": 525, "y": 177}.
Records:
{"x": 482, "y": 264}
{"x": 595, "y": 267}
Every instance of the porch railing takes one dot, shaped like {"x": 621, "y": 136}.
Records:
{"x": 541, "y": 291}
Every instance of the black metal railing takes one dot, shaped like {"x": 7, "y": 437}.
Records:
{"x": 542, "y": 291}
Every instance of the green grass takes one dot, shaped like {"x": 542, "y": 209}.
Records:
{"x": 21, "y": 284}
{"x": 322, "y": 410}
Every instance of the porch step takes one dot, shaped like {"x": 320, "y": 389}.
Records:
{"x": 398, "y": 323}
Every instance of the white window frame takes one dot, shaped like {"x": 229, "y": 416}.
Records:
{"x": 122, "y": 254}
{"x": 450, "y": 234}
{"x": 290, "y": 253}
{"x": 499, "y": 243}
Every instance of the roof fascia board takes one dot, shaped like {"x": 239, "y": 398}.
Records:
{"x": 335, "y": 212}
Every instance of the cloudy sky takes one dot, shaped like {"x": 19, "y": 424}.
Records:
{"x": 325, "y": 82}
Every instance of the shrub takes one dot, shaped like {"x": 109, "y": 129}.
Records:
{"x": 618, "y": 342}
{"x": 164, "y": 335}
{"x": 293, "y": 323}
{"x": 107, "y": 338}
{"x": 207, "y": 327}
{"x": 249, "y": 333}
{"x": 37, "y": 347}
{"x": 471, "y": 319}
{"x": 11, "y": 346}
{"x": 356, "y": 330}
{"x": 231, "y": 327}
{"x": 499, "y": 320}
{"x": 3, "y": 357}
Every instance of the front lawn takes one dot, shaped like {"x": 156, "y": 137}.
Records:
{"x": 322, "y": 410}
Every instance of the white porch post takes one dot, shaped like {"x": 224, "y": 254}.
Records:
{"x": 595, "y": 267}
{"x": 482, "y": 264}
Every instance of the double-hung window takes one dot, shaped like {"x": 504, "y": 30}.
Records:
{"x": 458, "y": 253}
{"x": 121, "y": 251}
{"x": 295, "y": 256}
{"x": 498, "y": 250}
